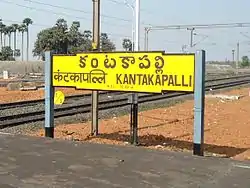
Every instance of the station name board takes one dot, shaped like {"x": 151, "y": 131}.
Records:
{"x": 151, "y": 72}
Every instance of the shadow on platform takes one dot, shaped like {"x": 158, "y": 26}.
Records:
{"x": 175, "y": 144}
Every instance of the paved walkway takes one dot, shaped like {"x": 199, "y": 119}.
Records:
{"x": 37, "y": 162}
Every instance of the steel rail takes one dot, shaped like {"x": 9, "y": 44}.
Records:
{"x": 74, "y": 97}
{"x": 37, "y": 101}
{"x": 228, "y": 78}
{"x": 18, "y": 119}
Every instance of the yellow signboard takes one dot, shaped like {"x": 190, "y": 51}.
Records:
{"x": 152, "y": 72}
{"x": 59, "y": 98}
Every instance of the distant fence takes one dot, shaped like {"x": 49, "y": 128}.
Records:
{"x": 224, "y": 69}
{"x": 19, "y": 67}
{"x": 217, "y": 68}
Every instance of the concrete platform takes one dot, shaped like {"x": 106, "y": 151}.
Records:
{"x": 28, "y": 162}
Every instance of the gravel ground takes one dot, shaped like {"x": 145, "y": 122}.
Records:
{"x": 227, "y": 132}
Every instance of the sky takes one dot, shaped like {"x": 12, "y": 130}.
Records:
{"x": 116, "y": 18}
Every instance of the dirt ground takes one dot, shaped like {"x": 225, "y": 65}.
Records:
{"x": 227, "y": 128}
{"x": 14, "y": 96}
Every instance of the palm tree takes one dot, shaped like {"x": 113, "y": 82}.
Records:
{"x": 22, "y": 28}
{"x": 127, "y": 44}
{"x": 15, "y": 29}
{"x": 1, "y": 33}
{"x": 76, "y": 24}
{"x": 87, "y": 34}
{"x": 9, "y": 31}
{"x": 4, "y": 31}
{"x": 61, "y": 24}
{"x": 27, "y": 22}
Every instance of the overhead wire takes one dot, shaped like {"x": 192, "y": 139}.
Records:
{"x": 122, "y": 4}
{"x": 75, "y": 10}
{"x": 71, "y": 9}
{"x": 49, "y": 26}
{"x": 115, "y": 35}
{"x": 117, "y": 2}
{"x": 56, "y": 13}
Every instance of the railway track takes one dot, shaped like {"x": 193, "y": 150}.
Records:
{"x": 103, "y": 93}
{"x": 18, "y": 119}
{"x": 70, "y": 97}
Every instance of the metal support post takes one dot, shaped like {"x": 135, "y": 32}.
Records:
{"x": 96, "y": 41}
{"x": 191, "y": 36}
{"x": 199, "y": 103}
{"x": 238, "y": 58}
{"x": 135, "y": 118}
{"x": 49, "y": 97}
{"x": 147, "y": 29}
{"x": 134, "y": 107}
{"x": 133, "y": 101}
{"x": 130, "y": 101}
{"x": 233, "y": 56}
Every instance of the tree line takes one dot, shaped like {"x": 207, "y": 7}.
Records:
{"x": 64, "y": 39}
{"x": 60, "y": 39}
{"x": 245, "y": 62}
{"x": 9, "y": 51}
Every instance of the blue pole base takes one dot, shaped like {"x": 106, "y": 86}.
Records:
{"x": 198, "y": 149}
{"x": 49, "y": 132}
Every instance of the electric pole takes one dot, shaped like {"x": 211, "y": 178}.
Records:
{"x": 133, "y": 30}
{"x": 238, "y": 57}
{"x": 191, "y": 36}
{"x": 233, "y": 55}
{"x": 96, "y": 45}
{"x": 147, "y": 29}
